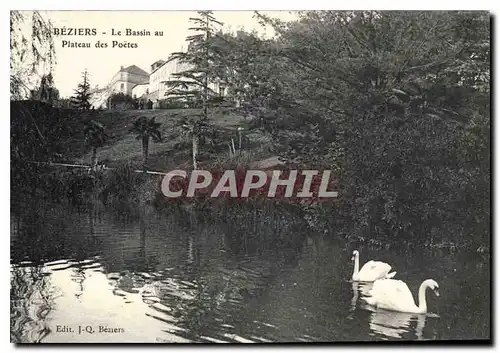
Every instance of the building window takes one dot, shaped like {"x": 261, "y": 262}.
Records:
{"x": 122, "y": 86}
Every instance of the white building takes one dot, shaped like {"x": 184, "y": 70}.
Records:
{"x": 127, "y": 78}
{"x": 137, "y": 83}
{"x": 162, "y": 72}
{"x": 99, "y": 97}
{"x": 140, "y": 90}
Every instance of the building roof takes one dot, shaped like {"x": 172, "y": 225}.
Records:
{"x": 162, "y": 62}
{"x": 170, "y": 59}
{"x": 133, "y": 69}
{"x": 159, "y": 62}
{"x": 97, "y": 90}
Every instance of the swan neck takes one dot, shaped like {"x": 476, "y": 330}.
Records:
{"x": 356, "y": 265}
{"x": 422, "y": 303}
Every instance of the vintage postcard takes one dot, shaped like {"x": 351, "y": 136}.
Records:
{"x": 250, "y": 176}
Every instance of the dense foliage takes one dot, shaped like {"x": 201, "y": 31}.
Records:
{"x": 46, "y": 92}
{"x": 122, "y": 101}
{"x": 32, "y": 51}
{"x": 397, "y": 103}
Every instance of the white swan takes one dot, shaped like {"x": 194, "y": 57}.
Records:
{"x": 371, "y": 271}
{"x": 392, "y": 294}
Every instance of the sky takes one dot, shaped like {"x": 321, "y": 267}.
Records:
{"x": 103, "y": 63}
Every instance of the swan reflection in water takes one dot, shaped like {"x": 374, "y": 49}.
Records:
{"x": 394, "y": 324}
{"x": 391, "y": 324}
{"x": 357, "y": 289}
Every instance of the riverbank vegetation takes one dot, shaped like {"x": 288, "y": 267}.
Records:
{"x": 397, "y": 104}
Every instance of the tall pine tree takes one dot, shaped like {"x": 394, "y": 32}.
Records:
{"x": 195, "y": 83}
{"x": 81, "y": 99}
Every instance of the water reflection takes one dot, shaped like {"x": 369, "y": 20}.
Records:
{"x": 359, "y": 291}
{"x": 32, "y": 300}
{"x": 388, "y": 324}
{"x": 395, "y": 324}
{"x": 165, "y": 278}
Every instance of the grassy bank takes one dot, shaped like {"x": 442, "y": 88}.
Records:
{"x": 122, "y": 153}
{"x": 175, "y": 150}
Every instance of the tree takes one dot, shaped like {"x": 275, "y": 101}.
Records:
{"x": 391, "y": 101}
{"x": 146, "y": 129}
{"x": 95, "y": 137}
{"x": 194, "y": 83}
{"x": 32, "y": 51}
{"x": 46, "y": 92}
{"x": 32, "y": 54}
{"x": 81, "y": 99}
{"x": 244, "y": 65}
{"x": 195, "y": 129}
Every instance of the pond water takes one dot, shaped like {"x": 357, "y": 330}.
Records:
{"x": 99, "y": 276}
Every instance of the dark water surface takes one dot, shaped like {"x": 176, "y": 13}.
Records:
{"x": 155, "y": 278}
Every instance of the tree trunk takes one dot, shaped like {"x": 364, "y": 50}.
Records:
{"x": 94, "y": 157}
{"x": 145, "y": 151}
{"x": 195, "y": 151}
{"x": 142, "y": 246}
{"x": 94, "y": 167}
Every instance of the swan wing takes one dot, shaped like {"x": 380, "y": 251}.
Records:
{"x": 391, "y": 294}
{"x": 374, "y": 270}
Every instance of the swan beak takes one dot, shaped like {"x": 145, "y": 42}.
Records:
{"x": 352, "y": 258}
{"x": 436, "y": 292}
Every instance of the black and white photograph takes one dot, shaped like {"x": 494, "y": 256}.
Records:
{"x": 205, "y": 177}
